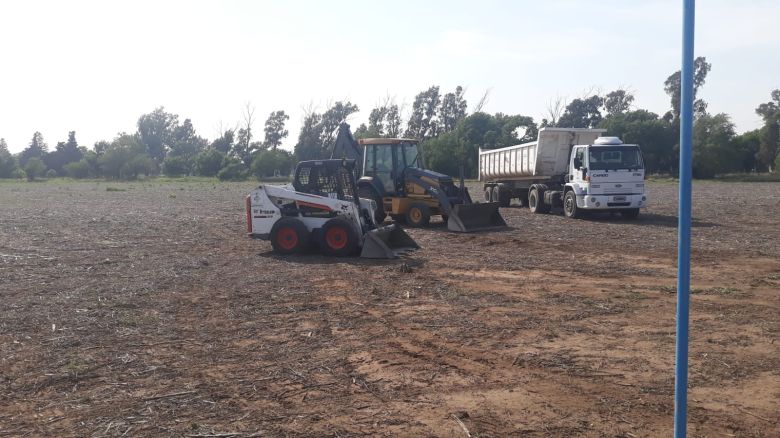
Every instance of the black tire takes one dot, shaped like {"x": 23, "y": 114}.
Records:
{"x": 488, "y": 194}
{"x": 630, "y": 213}
{"x": 338, "y": 238}
{"x": 368, "y": 192}
{"x": 536, "y": 201}
{"x": 502, "y": 196}
{"x": 289, "y": 236}
{"x": 418, "y": 215}
{"x": 570, "y": 208}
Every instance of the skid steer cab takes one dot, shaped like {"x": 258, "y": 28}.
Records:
{"x": 321, "y": 209}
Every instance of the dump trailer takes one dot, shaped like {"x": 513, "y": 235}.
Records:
{"x": 321, "y": 208}
{"x": 392, "y": 173}
{"x": 576, "y": 169}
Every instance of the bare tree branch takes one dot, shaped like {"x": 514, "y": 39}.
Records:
{"x": 482, "y": 101}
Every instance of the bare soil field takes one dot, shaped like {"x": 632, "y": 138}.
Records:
{"x": 142, "y": 309}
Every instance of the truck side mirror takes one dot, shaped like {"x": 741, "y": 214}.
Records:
{"x": 577, "y": 162}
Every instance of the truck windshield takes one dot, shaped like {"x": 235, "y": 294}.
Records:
{"x": 614, "y": 158}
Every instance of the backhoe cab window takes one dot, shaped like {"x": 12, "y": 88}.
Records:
{"x": 410, "y": 153}
{"x": 614, "y": 158}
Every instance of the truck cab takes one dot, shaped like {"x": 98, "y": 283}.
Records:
{"x": 605, "y": 175}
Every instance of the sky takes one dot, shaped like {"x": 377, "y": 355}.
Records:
{"x": 95, "y": 66}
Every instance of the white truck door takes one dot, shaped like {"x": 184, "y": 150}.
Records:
{"x": 577, "y": 165}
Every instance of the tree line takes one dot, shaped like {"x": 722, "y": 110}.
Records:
{"x": 161, "y": 145}
{"x": 450, "y": 135}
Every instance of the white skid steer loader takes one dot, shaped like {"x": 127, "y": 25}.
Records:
{"x": 321, "y": 208}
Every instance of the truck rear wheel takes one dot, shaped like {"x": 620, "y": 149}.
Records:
{"x": 289, "y": 236}
{"x": 418, "y": 215}
{"x": 338, "y": 238}
{"x": 570, "y": 208}
{"x": 536, "y": 201}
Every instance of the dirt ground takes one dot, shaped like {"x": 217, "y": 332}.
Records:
{"x": 142, "y": 309}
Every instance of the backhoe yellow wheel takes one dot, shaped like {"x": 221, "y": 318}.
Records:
{"x": 418, "y": 215}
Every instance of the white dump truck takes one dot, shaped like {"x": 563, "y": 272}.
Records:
{"x": 573, "y": 168}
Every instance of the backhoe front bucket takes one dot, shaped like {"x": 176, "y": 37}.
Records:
{"x": 387, "y": 242}
{"x": 466, "y": 218}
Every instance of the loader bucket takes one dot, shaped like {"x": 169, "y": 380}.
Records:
{"x": 466, "y": 218}
{"x": 387, "y": 242}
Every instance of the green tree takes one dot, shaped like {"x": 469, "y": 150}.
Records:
{"x": 209, "y": 162}
{"x": 318, "y": 132}
{"x": 712, "y": 146}
{"x": 582, "y": 113}
{"x": 673, "y": 87}
{"x": 174, "y": 166}
{"x": 309, "y": 146}
{"x": 272, "y": 162}
{"x": 7, "y": 161}
{"x": 126, "y": 158}
{"x": 447, "y": 152}
{"x": 274, "y": 129}
{"x": 452, "y": 110}
{"x": 362, "y": 132}
{"x": 34, "y": 168}
{"x": 185, "y": 142}
{"x": 224, "y": 143}
{"x": 422, "y": 123}
{"x": 64, "y": 153}
{"x": 618, "y": 102}
{"x": 101, "y": 146}
{"x": 155, "y": 131}
{"x": 232, "y": 170}
{"x": 746, "y": 147}
{"x": 36, "y": 149}
{"x": 770, "y": 133}
{"x": 78, "y": 169}
{"x": 330, "y": 121}
{"x": 383, "y": 121}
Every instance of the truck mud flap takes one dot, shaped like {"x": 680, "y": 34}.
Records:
{"x": 387, "y": 242}
{"x": 467, "y": 218}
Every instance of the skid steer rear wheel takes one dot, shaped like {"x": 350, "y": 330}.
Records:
{"x": 338, "y": 238}
{"x": 418, "y": 215}
{"x": 289, "y": 236}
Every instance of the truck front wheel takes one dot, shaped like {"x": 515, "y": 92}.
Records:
{"x": 570, "y": 208}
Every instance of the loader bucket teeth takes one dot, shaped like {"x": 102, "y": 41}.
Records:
{"x": 467, "y": 218}
{"x": 387, "y": 242}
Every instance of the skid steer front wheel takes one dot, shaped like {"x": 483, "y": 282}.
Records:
{"x": 338, "y": 238}
{"x": 289, "y": 236}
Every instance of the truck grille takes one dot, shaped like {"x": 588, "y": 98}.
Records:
{"x": 616, "y": 190}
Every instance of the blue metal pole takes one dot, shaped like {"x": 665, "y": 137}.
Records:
{"x": 684, "y": 224}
